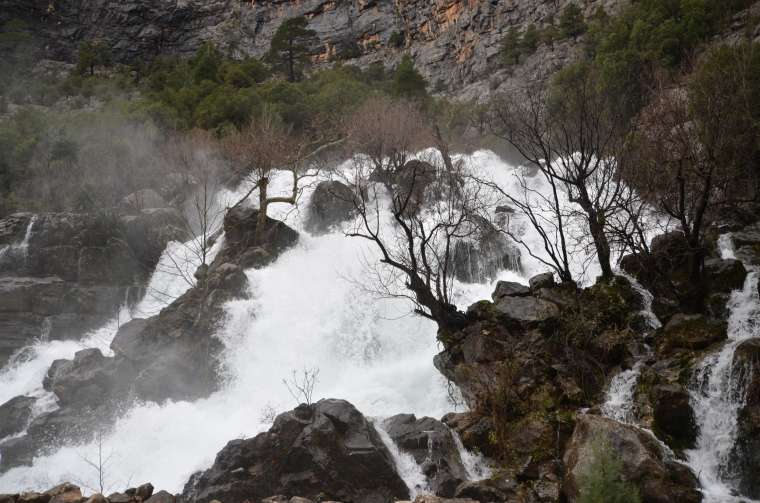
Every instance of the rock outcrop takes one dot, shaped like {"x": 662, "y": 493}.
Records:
{"x": 745, "y": 457}
{"x": 331, "y": 204}
{"x": 62, "y": 274}
{"x": 324, "y": 451}
{"x": 658, "y": 479}
{"x": 453, "y": 42}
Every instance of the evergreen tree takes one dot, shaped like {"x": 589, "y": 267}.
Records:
{"x": 529, "y": 41}
{"x": 92, "y": 54}
{"x": 602, "y": 482}
{"x": 571, "y": 23}
{"x": 408, "y": 82}
{"x": 510, "y": 47}
{"x": 289, "y": 50}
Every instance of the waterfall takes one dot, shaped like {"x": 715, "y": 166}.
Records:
{"x": 311, "y": 308}
{"x": 717, "y": 396}
{"x": 474, "y": 464}
{"x": 619, "y": 399}
{"x": 13, "y": 251}
{"x": 407, "y": 468}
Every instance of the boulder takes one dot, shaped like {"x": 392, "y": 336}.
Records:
{"x": 526, "y": 310}
{"x": 432, "y": 445}
{"x": 326, "y": 450}
{"x": 240, "y": 224}
{"x": 724, "y": 275}
{"x": 483, "y": 254}
{"x": 65, "y": 493}
{"x": 90, "y": 378}
{"x": 509, "y": 289}
{"x": 543, "y": 280}
{"x": 691, "y": 332}
{"x": 96, "y": 498}
{"x": 673, "y": 416}
{"x": 150, "y": 230}
{"x": 15, "y": 414}
{"x": 643, "y": 464}
{"x": 331, "y": 204}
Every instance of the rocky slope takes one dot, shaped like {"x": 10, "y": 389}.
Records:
{"x": 453, "y": 42}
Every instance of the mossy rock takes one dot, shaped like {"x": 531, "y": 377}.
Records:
{"x": 692, "y": 332}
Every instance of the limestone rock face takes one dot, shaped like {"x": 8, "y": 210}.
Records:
{"x": 455, "y": 43}
{"x": 324, "y": 451}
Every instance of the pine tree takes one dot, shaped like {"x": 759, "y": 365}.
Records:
{"x": 571, "y": 23}
{"x": 408, "y": 82}
{"x": 289, "y": 49}
{"x": 510, "y": 47}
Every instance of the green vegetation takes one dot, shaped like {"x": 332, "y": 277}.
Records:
{"x": 602, "y": 482}
{"x": 289, "y": 51}
{"x": 408, "y": 83}
{"x": 91, "y": 55}
{"x": 396, "y": 39}
{"x": 571, "y": 23}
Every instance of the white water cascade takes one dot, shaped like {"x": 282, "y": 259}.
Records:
{"x": 716, "y": 396}
{"x": 309, "y": 309}
{"x": 22, "y": 247}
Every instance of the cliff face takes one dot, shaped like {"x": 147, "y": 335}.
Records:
{"x": 453, "y": 42}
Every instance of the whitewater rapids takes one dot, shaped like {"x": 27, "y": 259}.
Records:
{"x": 309, "y": 309}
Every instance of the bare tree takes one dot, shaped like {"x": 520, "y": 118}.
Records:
{"x": 99, "y": 464}
{"x": 412, "y": 209}
{"x": 301, "y": 385}
{"x": 571, "y": 135}
{"x": 268, "y": 145}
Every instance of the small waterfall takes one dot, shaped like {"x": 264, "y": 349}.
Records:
{"x": 717, "y": 394}
{"x": 19, "y": 252}
{"x": 474, "y": 464}
{"x": 619, "y": 400}
{"x": 407, "y": 468}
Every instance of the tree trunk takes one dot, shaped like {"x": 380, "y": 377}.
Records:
{"x": 601, "y": 244}
{"x": 261, "y": 220}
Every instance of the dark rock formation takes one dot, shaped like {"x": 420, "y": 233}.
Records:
{"x": 65, "y": 273}
{"x": 643, "y": 464}
{"x": 241, "y": 246}
{"x": 14, "y": 415}
{"x": 745, "y": 457}
{"x": 331, "y": 204}
{"x": 543, "y": 280}
{"x": 509, "y": 289}
{"x": 432, "y": 446}
{"x": 323, "y": 451}
{"x": 691, "y": 332}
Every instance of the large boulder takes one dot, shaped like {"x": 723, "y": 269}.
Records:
{"x": 509, "y": 289}
{"x": 331, "y": 204}
{"x": 724, "y": 275}
{"x": 247, "y": 248}
{"x": 323, "y": 451}
{"x": 150, "y": 230}
{"x": 14, "y": 415}
{"x": 485, "y": 252}
{"x": 526, "y": 310}
{"x": 673, "y": 415}
{"x": 432, "y": 445}
{"x": 691, "y": 332}
{"x": 643, "y": 463}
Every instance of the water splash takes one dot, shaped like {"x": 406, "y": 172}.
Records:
{"x": 407, "y": 468}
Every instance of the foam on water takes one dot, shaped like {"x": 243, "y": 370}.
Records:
{"x": 309, "y": 309}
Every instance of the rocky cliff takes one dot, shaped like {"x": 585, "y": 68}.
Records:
{"x": 454, "y": 42}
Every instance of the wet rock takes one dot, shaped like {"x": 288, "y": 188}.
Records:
{"x": 14, "y": 415}
{"x": 144, "y": 491}
{"x": 426, "y": 498}
{"x": 509, "y": 289}
{"x": 745, "y": 456}
{"x": 643, "y": 464}
{"x": 526, "y": 310}
{"x": 327, "y": 450}
{"x": 691, "y": 332}
{"x": 17, "y": 451}
{"x": 331, "y": 204}
{"x": 484, "y": 254}
{"x": 543, "y": 280}
{"x": 481, "y": 491}
{"x": 240, "y": 225}
{"x": 150, "y": 230}
{"x": 432, "y": 446}
{"x": 724, "y": 275}
{"x": 96, "y": 498}
{"x": 474, "y": 431}
{"x": 673, "y": 416}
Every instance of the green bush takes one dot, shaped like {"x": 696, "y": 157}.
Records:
{"x": 511, "y": 47}
{"x": 602, "y": 482}
{"x": 571, "y": 23}
{"x": 408, "y": 82}
{"x": 396, "y": 40}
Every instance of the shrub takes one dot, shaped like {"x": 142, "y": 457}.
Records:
{"x": 571, "y": 23}
{"x": 396, "y": 40}
{"x": 408, "y": 82}
{"x": 602, "y": 482}
{"x": 510, "y": 47}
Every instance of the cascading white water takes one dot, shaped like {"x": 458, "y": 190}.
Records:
{"x": 716, "y": 396}
{"x": 22, "y": 247}
{"x": 406, "y": 467}
{"x": 309, "y": 309}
